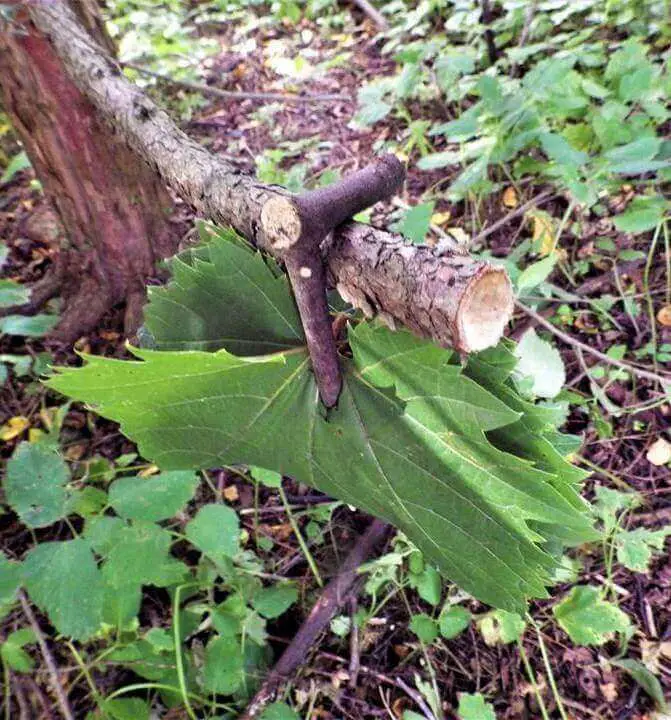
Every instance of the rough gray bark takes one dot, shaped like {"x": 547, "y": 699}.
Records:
{"x": 451, "y": 298}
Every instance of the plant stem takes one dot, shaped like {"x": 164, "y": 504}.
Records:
{"x": 532, "y": 680}
{"x": 548, "y": 668}
{"x": 179, "y": 660}
{"x": 301, "y": 540}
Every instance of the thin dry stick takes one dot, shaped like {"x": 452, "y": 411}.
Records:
{"x": 48, "y": 658}
{"x": 332, "y": 598}
{"x": 373, "y": 13}
{"x": 538, "y": 200}
{"x": 237, "y": 94}
{"x": 664, "y": 380}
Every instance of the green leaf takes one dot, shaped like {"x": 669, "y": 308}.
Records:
{"x": 641, "y": 675}
{"x": 19, "y": 162}
{"x": 10, "y": 581}
{"x": 435, "y": 161}
{"x": 12, "y": 653}
{"x": 271, "y": 602}
{"x": 11, "y": 293}
{"x": 215, "y": 531}
{"x": 474, "y": 707}
{"x": 269, "y": 478}
{"x": 63, "y": 580}
{"x": 409, "y": 425}
{"x": 643, "y": 213}
{"x": 558, "y": 149}
{"x": 453, "y": 620}
{"x": 27, "y": 326}
{"x": 536, "y": 273}
{"x": 224, "y": 670}
{"x": 542, "y": 363}
{"x": 279, "y": 711}
{"x": 416, "y": 221}
{"x": 642, "y": 149}
{"x": 35, "y": 484}
{"x": 425, "y": 627}
{"x": 501, "y": 627}
{"x": 140, "y": 554}
{"x": 225, "y": 296}
{"x": 635, "y": 547}
{"x": 127, "y": 709}
{"x": 156, "y": 498}
{"x": 587, "y": 618}
{"x": 428, "y": 584}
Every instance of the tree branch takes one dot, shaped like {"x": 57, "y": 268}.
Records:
{"x": 453, "y": 299}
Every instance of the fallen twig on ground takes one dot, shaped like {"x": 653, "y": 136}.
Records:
{"x": 48, "y": 658}
{"x": 237, "y": 94}
{"x": 334, "y": 595}
{"x": 663, "y": 379}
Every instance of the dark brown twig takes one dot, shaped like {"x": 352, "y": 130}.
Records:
{"x": 305, "y": 222}
{"x": 47, "y": 656}
{"x": 332, "y": 598}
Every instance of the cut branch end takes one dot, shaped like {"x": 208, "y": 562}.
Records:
{"x": 485, "y": 309}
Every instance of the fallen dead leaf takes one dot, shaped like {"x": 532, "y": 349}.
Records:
{"x": 609, "y": 692}
{"x": 440, "y": 218}
{"x": 231, "y": 493}
{"x": 659, "y": 453}
{"x": 664, "y": 316}
{"x": 543, "y": 231}
{"x": 509, "y": 197}
{"x": 14, "y": 427}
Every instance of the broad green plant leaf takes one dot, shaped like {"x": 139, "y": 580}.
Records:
{"x": 27, "y": 326}
{"x": 215, "y": 531}
{"x": 10, "y": 582}
{"x": 588, "y": 619}
{"x": 279, "y": 711}
{"x": 11, "y": 293}
{"x": 35, "y": 484}
{"x": 224, "y": 669}
{"x": 409, "y": 440}
{"x": 425, "y": 627}
{"x": 64, "y": 581}
{"x": 453, "y": 620}
{"x": 474, "y": 707}
{"x": 12, "y": 653}
{"x": 271, "y": 602}
{"x": 156, "y": 498}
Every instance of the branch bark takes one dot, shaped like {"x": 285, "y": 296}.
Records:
{"x": 451, "y": 298}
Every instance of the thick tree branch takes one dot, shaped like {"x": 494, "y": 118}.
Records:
{"x": 451, "y": 298}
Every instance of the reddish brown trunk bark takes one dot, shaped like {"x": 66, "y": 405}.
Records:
{"x": 114, "y": 209}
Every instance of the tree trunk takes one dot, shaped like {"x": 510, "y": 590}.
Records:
{"x": 114, "y": 208}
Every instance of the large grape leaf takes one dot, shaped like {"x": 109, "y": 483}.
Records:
{"x": 224, "y": 295}
{"x": 408, "y": 441}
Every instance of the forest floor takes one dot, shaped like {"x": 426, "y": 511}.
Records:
{"x": 354, "y": 674}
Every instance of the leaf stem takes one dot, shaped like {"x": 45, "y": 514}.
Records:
{"x": 301, "y": 540}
